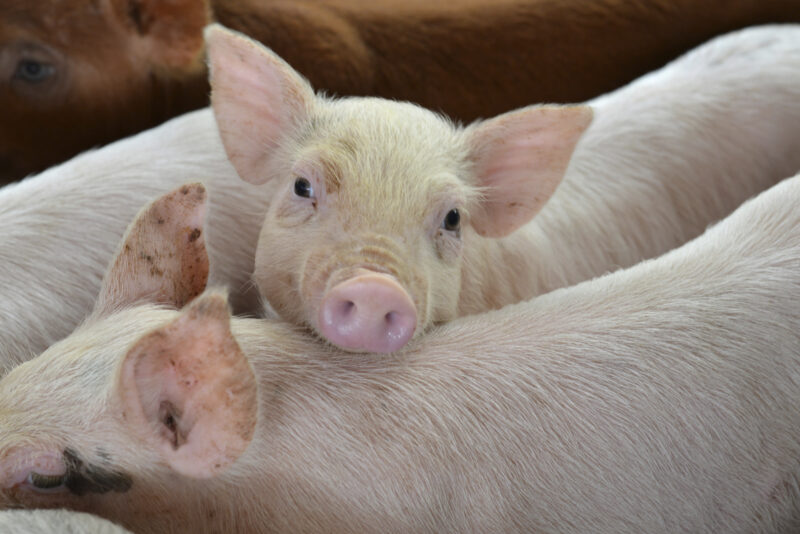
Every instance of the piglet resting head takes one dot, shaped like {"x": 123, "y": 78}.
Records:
{"x": 377, "y": 205}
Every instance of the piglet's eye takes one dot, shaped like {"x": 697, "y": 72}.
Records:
{"x": 452, "y": 221}
{"x": 46, "y": 482}
{"x": 302, "y": 188}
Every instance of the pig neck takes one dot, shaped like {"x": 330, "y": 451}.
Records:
{"x": 581, "y": 233}
{"x": 576, "y": 237}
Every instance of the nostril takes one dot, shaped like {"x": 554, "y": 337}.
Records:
{"x": 369, "y": 312}
{"x": 347, "y": 308}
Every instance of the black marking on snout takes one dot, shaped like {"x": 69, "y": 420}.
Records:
{"x": 83, "y": 478}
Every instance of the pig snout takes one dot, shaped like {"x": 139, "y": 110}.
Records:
{"x": 368, "y": 312}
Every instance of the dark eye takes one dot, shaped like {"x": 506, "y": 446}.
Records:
{"x": 46, "y": 482}
{"x": 302, "y": 188}
{"x": 452, "y": 221}
{"x": 31, "y": 71}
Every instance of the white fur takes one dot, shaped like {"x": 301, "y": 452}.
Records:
{"x": 54, "y": 522}
{"x": 60, "y": 229}
{"x": 663, "y": 158}
{"x": 660, "y": 399}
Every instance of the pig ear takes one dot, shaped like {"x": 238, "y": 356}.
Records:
{"x": 163, "y": 256}
{"x": 191, "y": 391}
{"x": 520, "y": 158}
{"x": 256, "y": 97}
{"x": 170, "y": 32}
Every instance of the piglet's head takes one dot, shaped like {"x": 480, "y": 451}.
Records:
{"x": 375, "y": 203}
{"x": 142, "y": 397}
{"x": 77, "y": 73}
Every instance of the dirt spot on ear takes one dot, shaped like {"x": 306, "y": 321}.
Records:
{"x": 164, "y": 259}
{"x": 199, "y": 388}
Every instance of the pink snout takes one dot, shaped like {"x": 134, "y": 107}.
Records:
{"x": 370, "y": 312}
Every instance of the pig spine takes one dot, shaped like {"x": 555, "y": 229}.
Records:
{"x": 635, "y": 188}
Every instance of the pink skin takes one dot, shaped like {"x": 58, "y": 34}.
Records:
{"x": 368, "y": 312}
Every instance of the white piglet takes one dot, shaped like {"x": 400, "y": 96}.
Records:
{"x": 387, "y": 218}
{"x": 660, "y": 399}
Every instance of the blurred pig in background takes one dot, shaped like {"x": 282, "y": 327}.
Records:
{"x": 79, "y": 73}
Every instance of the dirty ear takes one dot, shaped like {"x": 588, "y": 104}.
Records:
{"x": 191, "y": 390}
{"x": 163, "y": 258}
{"x": 519, "y": 160}
{"x": 170, "y": 32}
{"x": 256, "y": 96}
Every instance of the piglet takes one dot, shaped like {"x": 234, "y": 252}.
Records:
{"x": 660, "y": 399}
{"x": 386, "y": 218}
{"x": 80, "y": 73}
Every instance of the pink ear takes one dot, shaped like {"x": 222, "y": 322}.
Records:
{"x": 163, "y": 256}
{"x": 257, "y": 97}
{"x": 520, "y": 158}
{"x": 191, "y": 391}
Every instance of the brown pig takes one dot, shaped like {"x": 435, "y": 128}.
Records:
{"x": 77, "y": 73}
{"x": 385, "y": 218}
{"x": 660, "y": 399}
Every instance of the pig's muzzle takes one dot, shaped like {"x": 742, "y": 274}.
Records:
{"x": 368, "y": 312}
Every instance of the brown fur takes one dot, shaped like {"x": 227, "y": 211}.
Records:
{"x": 126, "y": 65}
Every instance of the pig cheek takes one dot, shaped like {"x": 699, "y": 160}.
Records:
{"x": 445, "y": 275}
{"x": 289, "y": 230}
{"x": 448, "y": 247}
{"x": 276, "y": 274}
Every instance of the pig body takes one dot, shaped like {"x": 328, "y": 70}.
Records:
{"x": 661, "y": 399}
{"x": 55, "y": 522}
{"x": 59, "y": 230}
{"x": 117, "y": 67}
{"x": 386, "y": 218}
{"x": 663, "y": 158}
